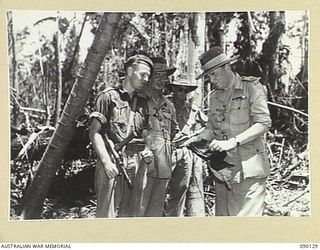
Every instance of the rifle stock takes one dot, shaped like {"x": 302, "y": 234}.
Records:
{"x": 116, "y": 157}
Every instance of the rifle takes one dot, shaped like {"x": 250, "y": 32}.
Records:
{"x": 113, "y": 151}
{"x": 124, "y": 142}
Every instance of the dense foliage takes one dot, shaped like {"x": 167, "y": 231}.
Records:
{"x": 271, "y": 45}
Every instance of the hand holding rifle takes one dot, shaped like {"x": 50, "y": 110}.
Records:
{"x": 118, "y": 163}
{"x": 110, "y": 168}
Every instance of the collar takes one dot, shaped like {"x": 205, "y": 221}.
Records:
{"x": 237, "y": 81}
{"x": 148, "y": 94}
{"x": 124, "y": 93}
{"x": 221, "y": 94}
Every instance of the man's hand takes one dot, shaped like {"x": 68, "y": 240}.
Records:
{"x": 146, "y": 155}
{"x": 110, "y": 169}
{"x": 220, "y": 146}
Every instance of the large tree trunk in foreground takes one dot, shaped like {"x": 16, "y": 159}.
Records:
{"x": 50, "y": 162}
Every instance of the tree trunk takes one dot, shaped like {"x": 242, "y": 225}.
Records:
{"x": 269, "y": 55}
{"x": 196, "y": 44}
{"x": 44, "y": 82}
{"x": 59, "y": 82}
{"x": 76, "y": 48}
{"x": 79, "y": 150}
{"x": 13, "y": 63}
{"x": 50, "y": 162}
{"x": 304, "y": 48}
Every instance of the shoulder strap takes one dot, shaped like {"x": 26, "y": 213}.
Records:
{"x": 132, "y": 114}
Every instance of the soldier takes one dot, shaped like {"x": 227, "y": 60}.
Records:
{"x": 164, "y": 127}
{"x": 120, "y": 111}
{"x": 186, "y": 184}
{"x": 238, "y": 119}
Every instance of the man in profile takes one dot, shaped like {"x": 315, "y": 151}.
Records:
{"x": 120, "y": 111}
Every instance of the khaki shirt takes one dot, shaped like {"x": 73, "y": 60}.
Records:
{"x": 230, "y": 117}
{"x": 163, "y": 128}
{"x": 190, "y": 119}
{"x": 112, "y": 109}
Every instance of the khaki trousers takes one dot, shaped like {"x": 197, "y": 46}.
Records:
{"x": 245, "y": 198}
{"x": 186, "y": 185}
{"x": 113, "y": 194}
{"x": 150, "y": 193}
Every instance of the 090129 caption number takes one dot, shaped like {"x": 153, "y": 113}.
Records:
{"x": 308, "y": 246}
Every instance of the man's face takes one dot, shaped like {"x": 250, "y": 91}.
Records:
{"x": 180, "y": 92}
{"x": 140, "y": 76}
{"x": 159, "y": 80}
{"x": 219, "y": 78}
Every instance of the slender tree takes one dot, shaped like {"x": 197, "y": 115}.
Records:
{"x": 59, "y": 68}
{"x": 13, "y": 66}
{"x": 269, "y": 55}
{"x": 196, "y": 43}
{"x": 50, "y": 162}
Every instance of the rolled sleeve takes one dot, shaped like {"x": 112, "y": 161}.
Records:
{"x": 100, "y": 117}
{"x": 259, "y": 107}
{"x": 101, "y": 108}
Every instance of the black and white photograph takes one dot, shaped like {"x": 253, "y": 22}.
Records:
{"x": 158, "y": 114}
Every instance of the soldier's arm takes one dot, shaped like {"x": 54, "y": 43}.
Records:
{"x": 97, "y": 120}
{"x": 260, "y": 118}
{"x": 252, "y": 133}
{"x": 100, "y": 149}
{"x": 259, "y": 113}
{"x": 97, "y": 141}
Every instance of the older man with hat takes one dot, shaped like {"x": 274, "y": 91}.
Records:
{"x": 186, "y": 185}
{"x": 238, "y": 119}
{"x": 162, "y": 117}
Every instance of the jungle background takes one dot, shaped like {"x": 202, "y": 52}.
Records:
{"x": 46, "y": 51}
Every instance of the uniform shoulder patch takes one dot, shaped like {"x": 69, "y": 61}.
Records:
{"x": 111, "y": 91}
{"x": 252, "y": 79}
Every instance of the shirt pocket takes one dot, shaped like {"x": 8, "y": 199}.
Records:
{"x": 239, "y": 115}
{"x": 251, "y": 148}
{"x": 254, "y": 159}
{"x": 121, "y": 112}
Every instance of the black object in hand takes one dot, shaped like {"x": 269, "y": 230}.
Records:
{"x": 214, "y": 158}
